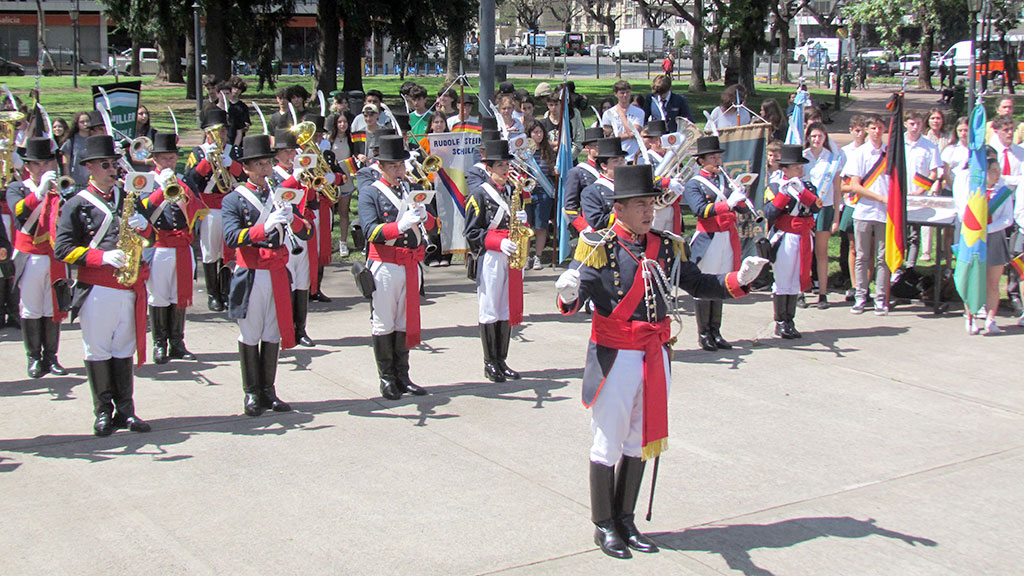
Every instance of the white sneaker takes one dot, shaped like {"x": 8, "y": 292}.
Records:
{"x": 1020, "y": 321}
{"x": 981, "y": 313}
{"x": 536, "y": 263}
{"x": 991, "y": 328}
{"x": 343, "y": 250}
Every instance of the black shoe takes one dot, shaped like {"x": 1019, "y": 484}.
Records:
{"x": 56, "y": 369}
{"x": 715, "y": 325}
{"x": 214, "y": 304}
{"x": 179, "y": 352}
{"x": 384, "y": 354}
{"x": 489, "y": 334}
{"x": 801, "y": 302}
{"x": 720, "y": 342}
{"x": 607, "y": 537}
{"x": 252, "y": 405}
{"x": 493, "y": 372}
{"x": 160, "y": 354}
{"x": 627, "y": 490}
{"x": 36, "y": 368}
{"x": 792, "y": 331}
{"x": 304, "y": 340}
{"x": 822, "y": 302}
{"x": 405, "y": 384}
{"x": 707, "y": 342}
{"x": 782, "y": 329}
{"x": 320, "y": 297}
{"x": 300, "y": 311}
{"x": 1017, "y": 305}
{"x": 103, "y": 425}
{"x": 133, "y": 423}
{"x": 602, "y": 511}
{"x": 212, "y": 276}
{"x": 702, "y": 312}
{"x": 32, "y": 335}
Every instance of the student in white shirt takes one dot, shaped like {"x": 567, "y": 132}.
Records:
{"x": 624, "y": 120}
{"x": 923, "y": 163}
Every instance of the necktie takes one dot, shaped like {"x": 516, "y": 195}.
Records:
{"x": 1006, "y": 161}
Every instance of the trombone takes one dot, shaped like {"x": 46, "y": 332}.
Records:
{"x": 421, "y": 171}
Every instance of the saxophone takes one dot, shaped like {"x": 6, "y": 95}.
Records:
{"x": 517, "y": 231}
{"x": 129, "y": 242}
{"x": 223, "y": 179}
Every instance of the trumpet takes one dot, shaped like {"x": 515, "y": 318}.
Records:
{"x": 304, "y": 133}
{"x": 65, "y": 186}
{"x": 422, "y": 170}
{"x": 734, "y": 186}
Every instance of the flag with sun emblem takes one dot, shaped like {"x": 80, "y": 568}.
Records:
{"x": 971, "y": 252}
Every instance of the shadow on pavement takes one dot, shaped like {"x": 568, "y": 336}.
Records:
{"x": 59, "y": 387}
{"x": 735, "y": 542}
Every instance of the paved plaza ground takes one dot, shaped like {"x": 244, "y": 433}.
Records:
{"x": 874, "y": 445}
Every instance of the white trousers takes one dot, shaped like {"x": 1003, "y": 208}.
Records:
{"x": 389, "y": 294}
{"x": 163, "y": 277}
{"x": 108, "y": 323}
{"x": 36, "y": 298}
{"x": 718, "y": 257}
{"x": 492, "y": 287}
{"x": 787, "y": 265}
{"x": 8, "y": 224}
{"x": 260, "y": 322}
{"x": 617, "y": 415}
{"x": 211, "y": 236}
{"x": 298, "y": 265}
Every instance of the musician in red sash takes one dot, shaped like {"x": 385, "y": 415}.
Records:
{"x": 174, "y": 216}
{"x": 112, "y": 315}
{"x": 791, "y": 215}
{"x": 35, "y": 204}
{"x": 627, "y": 271}
{"x": 395, "y": 233}
{"x": 260, "y": 297}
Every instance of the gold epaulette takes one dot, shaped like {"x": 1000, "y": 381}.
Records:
{"x": 591, "y": 251}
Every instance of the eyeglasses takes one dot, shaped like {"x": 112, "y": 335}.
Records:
{"x": 106, "y": 165}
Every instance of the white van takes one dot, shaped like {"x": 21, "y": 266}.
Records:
{"x": 958, "y": 54}
{"x": 803, "y": 52}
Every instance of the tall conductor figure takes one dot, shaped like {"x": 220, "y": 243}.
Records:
{"x": 626, "y": 270}
{"x": 111, "y": 304}
{"x": 257, "y": 226}
{"x": 499, "y": 284}
{"x": 396, "y": 242}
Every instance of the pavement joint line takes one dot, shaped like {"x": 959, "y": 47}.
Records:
{"x": 537, "y": 562}
{"x": 864, "y": 485}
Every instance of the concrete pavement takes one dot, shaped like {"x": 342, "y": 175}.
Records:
{"x": 874, "y": 445}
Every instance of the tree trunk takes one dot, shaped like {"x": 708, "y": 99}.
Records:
{"x": 135, "y": 66}
{"x": 218, "y": 46}
{"x": 715, "y": 62}
{"x": 353, "y": 57}
{"x": 328, "y": 27}
{"x": 782, "y": 27}
{"x": 924, "y": 73}
{"x": 455, "y": 53}
{"x": 190, "y": 64}
{"x": 169, "y": 56}
{"x": 747, "y": 63}
{"x": 610, "y": 25}
{"x": 697, "y": 84}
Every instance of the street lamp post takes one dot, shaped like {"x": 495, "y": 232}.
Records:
{"x": 74, "y": 20}
{"x": 973, "y": 7}
{"x": 199, "y": 64}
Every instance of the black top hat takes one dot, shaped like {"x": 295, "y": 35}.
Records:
{"x": 496, "y": 150}
{"x": 488, "y": 123}
{"x": 214, "y": 117}
{"x": 37, "y": 150}
{"x": 488, "y": 135}
{"x": 634, "y": 182}
{"x": 165, "y": 142}
{"x": 256, "y": 147}
{"x": 609, "y": 148}
{"x": 95, "y": 119}
{"x": 284, "y": 138}
{"x": 403, "y": 121}
{"x": 316, "y": 119}
{"x": 792, "y": 154}
{"x": 382, "y": 132}
{"x": 656, "y": 128}
{"x": 98, "y": 148}
{"x": 392, "y": 149}
{"x": 708, "y": 145}
{"x": 591, "y": 135}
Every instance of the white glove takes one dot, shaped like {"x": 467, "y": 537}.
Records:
{"x": 750, "y": 269}
{"x": 508, "y": 247}
{"x": 225, "y": 160}
{"x": 115, "y": 258}
{"x": 568, "y": 286}
{"x": 676, "y": 185}
{"x": 207, "y": 149}
{"x": 420, "y": 211}
{"x": 166, "y": 176}
{"x": 736, "y": 198}
{"x": 46, "y": 181}
{"x": 138, "y": 221}
{"x": 279, "y": 217}
{"x": 408, "y": 220}
{"x": 522, "y": 217}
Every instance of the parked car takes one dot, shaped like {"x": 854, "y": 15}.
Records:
{"x": 500, "y": 49}
{"x": 64, "y": 64}
{"x": 8, "y": 68}
{"x": 881, "y": 67}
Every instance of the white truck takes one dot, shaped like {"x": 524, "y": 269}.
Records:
{"x": 635, "y": 44}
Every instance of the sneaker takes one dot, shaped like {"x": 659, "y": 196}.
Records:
{"x": 858, "y": 307}
{"x": 851, "y": 295}
{"x": 981, "y": 313}
{"x": 536, "y": 263}
{"x": 343, "y": 250}
{"x": 881, "y": 309}
{"x": 822, "y": 302}
{"x": 990, "y": 327}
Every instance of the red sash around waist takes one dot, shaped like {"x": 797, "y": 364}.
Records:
{"x": 181, "y": 241}
{"x": 274, "y": 260}
{"x": 104, "y": 276}
{"x": 408, "y": 258}
{"x": 804, "y": 226}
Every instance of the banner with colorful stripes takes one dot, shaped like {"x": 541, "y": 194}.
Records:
{"x": 458, "y": 152}
{"x": 896, "y": 205}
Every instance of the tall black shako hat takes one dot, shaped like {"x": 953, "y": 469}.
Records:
{"x": 165, "y": 142}
{"x": 792, "y": 154}
{"x": 256, "y": 147}
{"x": 284, "y": 139}
{"x": 656, "y": 128}
{"x": 214, "y": 117}
{"x": 634, "y": 182}
{"x": 392, "y": 149}
{"x": 37, "y": 150}
{"x": 488, "y": 123}
{"x": 708, "y": 145}
{"x": 591, "y": 135}
{"x": 98, "y": 147}
{"x": 496, "y": 150}
{"x": 609, "y": 148}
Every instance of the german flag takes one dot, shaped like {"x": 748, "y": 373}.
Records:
{"x": 359, "y": 137}
{"x": 349, "y": 166}
{"x": 923, "y": 182}
{"x": 896, "y": 206}
{"x": 475, "y": 128}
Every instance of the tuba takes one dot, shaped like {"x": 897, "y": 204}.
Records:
{"x": 129, "y": 242}
{"x": 304, "y": 132}
{"x": 8, "y": 131}
{"x": 517, "y": 231}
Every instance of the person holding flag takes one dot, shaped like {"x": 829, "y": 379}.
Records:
{"x": 624, "y": 271}
{"x": 866, "y": 169}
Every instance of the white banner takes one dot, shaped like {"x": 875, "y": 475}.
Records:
{"x": 458, "y": 151}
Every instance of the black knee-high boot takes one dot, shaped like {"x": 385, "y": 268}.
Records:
{"x": 211, "y": 275}
{"x": 176, "y": 328}
{"x": 32, "y": 335}
{"x": 268, "y": 377}
{"x": 702, "y": 311}
{"x": 627, "y": 490}
{"x": 384, "y": 354}
{"x": 159, "y": 318}
{"x": 319, "y": 296}
{"x": 602, "y": 511}
{"x": 781, "y": 314}
{"x": 402, "y": 367}
{"x": 101, "y": 384}
{"x": 300, "y": 311}
{"x": 489, "y": 339}
{"x": 124, "y": 396}
{"x": 51, "y": 343}
{"x": 715, "y": 325}
{"x": 249, "y": 357}
{"x": 504, "y": 337}
{"x": 791, "y": 304}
